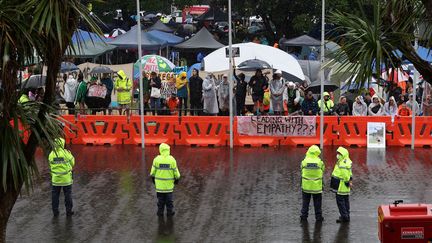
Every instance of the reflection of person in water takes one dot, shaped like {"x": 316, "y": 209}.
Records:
{"x": 316, "y": 234}
{"x": 342, "y": 234}
{"x": 165, "y": 230}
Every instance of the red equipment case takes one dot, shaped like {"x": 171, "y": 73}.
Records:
{"x": 405, "y": 223}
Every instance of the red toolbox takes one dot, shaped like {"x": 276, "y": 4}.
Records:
{"x": 405, "y": 222}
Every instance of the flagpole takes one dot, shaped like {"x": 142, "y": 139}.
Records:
{"x": 322, "y": 74}
{"x": 141, "y": 93}
{"x": 230, "y": 75}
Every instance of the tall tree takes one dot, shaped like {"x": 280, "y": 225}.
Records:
{"x": 393, "y": 27}
{"x": 44, "y": 26}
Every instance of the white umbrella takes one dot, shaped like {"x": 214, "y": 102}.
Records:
{"x": 278, "y": 59}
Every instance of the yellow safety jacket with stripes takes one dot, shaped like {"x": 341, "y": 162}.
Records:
{"x": 61, "y": 163}
{"x": 312, "y": 170}
{"x": 164, "y": 170}
{"x": 342, "y": 173}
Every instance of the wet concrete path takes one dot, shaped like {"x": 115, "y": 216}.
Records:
{"x": 252, "y": 195}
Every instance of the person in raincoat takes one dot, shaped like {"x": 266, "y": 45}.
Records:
{"x": 292, "y": 98}
{"x": 391, "y": 108}
{"x": 327, "y": 103}
{"x": 223, "y": 96}
{"x": 182, "y": 91}
{"x": 341, "y": 183}
{"x": 209, "y": 95}
{"x": 123, "y": 86}
{"x": 277, "y": 89}
{"x": 61, "y": 162}
{"x": 70, "y": 89}
{"x": 376, "y": 108}
{"x": 359, "y": 107}
{"x": 312, "y": 170}
{"x": 165, "y": 175}
{"x": 195, "y": 87}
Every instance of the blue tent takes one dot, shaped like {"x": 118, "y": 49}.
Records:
{"x": 168, "y": 37}
{"x": 189, "y": 72}
{"x": 129, "y": 40}
{"x": 84, "y": 36}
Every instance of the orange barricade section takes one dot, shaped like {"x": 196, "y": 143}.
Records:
{"x": 100, "y": 130}
{"x": 330, "y": 124}
{"x": 204, "y": 131}
{"x": 69, "y": 127}
{"x": 158, "y": 129}
{"x": 402, "y": 135}
{"x": 352, "y": 130}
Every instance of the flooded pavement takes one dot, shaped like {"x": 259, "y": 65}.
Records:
{"x": 251, "y": 195}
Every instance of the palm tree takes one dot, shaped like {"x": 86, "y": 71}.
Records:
{"x": 368, "y": 43}
{"x": 44, "y": 26}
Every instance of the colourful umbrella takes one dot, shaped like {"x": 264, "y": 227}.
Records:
{"x": 155, "y": 63}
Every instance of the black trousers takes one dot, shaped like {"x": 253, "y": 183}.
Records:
{"x": 71, "y": 108}
{"x": 196, "y": 107}
{"x": 317, "y": 201}
{"x": 165, "y": 200}
{"x": 240, "y": 105}
{"x": 182, "y": 105}
{"x": 55, "y": 196}
{"x": 343, "y": 204}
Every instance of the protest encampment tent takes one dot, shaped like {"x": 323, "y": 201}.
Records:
{"x": 303, "y": 40}
{"x": 170, "y": 39}
{"x": 160, "y": 27}
{"x": 129, "y": 40}
{"x": 201, "y": 40}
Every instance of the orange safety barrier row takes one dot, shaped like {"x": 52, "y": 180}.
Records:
{"x": 214, "y": 131}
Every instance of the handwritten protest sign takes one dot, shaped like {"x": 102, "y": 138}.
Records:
{"x": 302, "y": 126}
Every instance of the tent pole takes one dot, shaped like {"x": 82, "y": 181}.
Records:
{"x": 322, "y": 74}
{"x": 230, "y": 76}
{"x": 140, "y": 81}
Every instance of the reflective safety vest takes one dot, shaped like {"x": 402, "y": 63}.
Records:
{"x": 328, "y": 105}
{"x": 343, "y": 173}
{"x": 312, "y": 170}
{"x": 164, "y": 170}
{"x": 61, "y": 163}
{"x": 122, "y": 82}
{"x": 23, "y": 99}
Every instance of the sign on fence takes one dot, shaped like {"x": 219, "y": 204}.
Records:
{"x": 302, "y": 126}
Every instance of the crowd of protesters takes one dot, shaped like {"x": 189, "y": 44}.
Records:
{"x": 210, "y": 96}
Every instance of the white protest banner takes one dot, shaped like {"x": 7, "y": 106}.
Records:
{"x": 285, "y": 126}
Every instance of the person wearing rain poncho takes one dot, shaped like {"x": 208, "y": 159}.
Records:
{"x": 375, "y": 108}
{"x": 277, "y": 89}
{"x": 209, "y": 95}
{"x": 391, "y": 108}
{"x": 223, "y": 96}
{"x": 182, "y": 91}
{"x": 359, "y": 107}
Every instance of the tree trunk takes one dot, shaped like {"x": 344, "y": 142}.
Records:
{"x": 7, "y": 202}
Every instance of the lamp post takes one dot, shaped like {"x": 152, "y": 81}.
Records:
{"x": 414, "y": 108}
{"x": 322, "y": 74}
{"x": 230, "y": 75}
{"x": 140, "y": 81}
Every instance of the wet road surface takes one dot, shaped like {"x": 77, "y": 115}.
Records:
{"x": 252, "y": 195}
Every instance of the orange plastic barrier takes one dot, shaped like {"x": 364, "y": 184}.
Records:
{"x": 352, "y": 130}
{"x": 402, "y": 135}
{"x": 204, "y": 131}
{"x": 69, "y": 128}
{"x": 158, "y": 129}
{"x": 330, "y": 124}
{"x": 100, "y": 130}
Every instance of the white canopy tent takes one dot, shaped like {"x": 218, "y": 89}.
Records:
{"x": 278, "y": 59}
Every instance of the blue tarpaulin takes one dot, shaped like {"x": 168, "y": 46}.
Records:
{"x": 129, "y": 40}
{"x": 168, "y": 37}
{"x": 84, "y": 36}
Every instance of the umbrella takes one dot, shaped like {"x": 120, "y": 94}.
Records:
{"x": 153, "y": 63}
{"x": 191, "y": 68}
{"x": 35, "y": 81}
{"x": 101, "y": 69}
{"x": 253, "y": 64}
{"x": 315, "y": 87}
{"x": 116, "y": 32}
{"x": 67, "y": 67}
